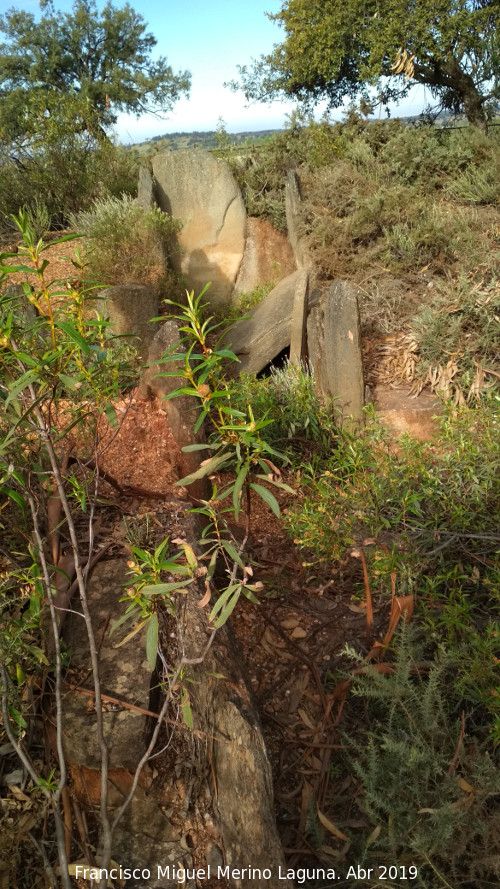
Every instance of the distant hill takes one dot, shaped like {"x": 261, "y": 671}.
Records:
{"x": 176, "y": 141}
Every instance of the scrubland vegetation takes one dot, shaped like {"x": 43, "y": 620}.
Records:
{"x": 411, "y": 215}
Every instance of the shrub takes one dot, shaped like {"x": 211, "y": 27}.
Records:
{"x": 437, "y": 815}
{"x": 128, "y": 244}
{"x": 458, "y": 330}
{"x": 288, "y": 397}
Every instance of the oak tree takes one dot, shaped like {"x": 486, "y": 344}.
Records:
{"x": 337, "y": 49}
{"x": 103, "y": 56}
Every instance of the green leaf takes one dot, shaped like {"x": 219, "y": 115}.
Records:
{"x": 281, "y": 485}
{"x": 111, "y": 415}
{"x": 15, "y": 496}
{"x": 152, "y": 641}
{"x": 232, "y": 553}
{"x": 223, "y": 598}
{"x": 267, "y": 497}
{"x": 228, "y": 610}
{"x": 15, "y": 388}
{"x": 161, "y": 589}
{"x": 73, "y": 334}
{"x": 187, "y": 713}
{"x": 208, "y": 467}
{"x": 132, "y": 633}
{"x": 240, "y": 480}
{"x": 197, "y": 447}
{"x": 71, "y": 383}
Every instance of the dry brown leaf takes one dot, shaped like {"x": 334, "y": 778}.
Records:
{"x": 357, "y": 609}
{"x": 306, "y": 719}
{"x": 18, "y": 794}
{"x": 465, "y": 786}
{"x": 374, "y": 835}
{"x": 330, "y": 827}
{"x": 206, "y": 598}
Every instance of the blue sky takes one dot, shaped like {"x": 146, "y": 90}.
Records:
{"x": 209, "y": 38}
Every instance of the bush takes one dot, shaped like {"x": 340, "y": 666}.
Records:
{"x": 54, "y": 155}
{"x": 458, "y": 331}
{"x": 289, "y": 398}
{"x": 128, "y": 244}
{"x": 430, "y": 813}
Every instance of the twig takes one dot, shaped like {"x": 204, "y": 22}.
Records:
{"x": 454, "y": 762}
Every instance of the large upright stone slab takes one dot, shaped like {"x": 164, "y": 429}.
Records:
{"x": 334, "y": 346}
{"x": 200, "y": 191}
{"x": 259, "y": 339}
{"x": 130, "y": 308}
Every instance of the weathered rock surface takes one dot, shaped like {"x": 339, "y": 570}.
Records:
{"x": 268, "y": 256}
{"x": 265, "y": 334}
{"x": 124, "y": 674}
{"x": 333, "y": 336}
{"x": 401, "y": 413}
{"x": 298, "y": 329}
{"x": 293, "y": 207}
{"x": 146, "y": 189}
{"x": 200, "y": 191}
{"x": 130, "y": 308}
{"x": 172, "y": 810}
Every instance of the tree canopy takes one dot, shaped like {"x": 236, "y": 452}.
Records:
{"x": 104, "y": 57}
{"x": 335, "y": 49}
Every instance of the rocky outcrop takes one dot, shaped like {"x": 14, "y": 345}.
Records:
{"x": 130, "y": 308}
{"x": 200, "y": 191}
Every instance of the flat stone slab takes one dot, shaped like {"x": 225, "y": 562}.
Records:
{"x": 125, "y": 675}
{"x": 259, "y": 339}
{"x": 401, "y": 413}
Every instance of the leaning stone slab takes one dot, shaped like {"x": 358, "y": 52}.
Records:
{"x": 200, "y": 191}
{"x": 334, "y": 346}
{"x": 265, "y": 334}
{"x": 130, "y": 308}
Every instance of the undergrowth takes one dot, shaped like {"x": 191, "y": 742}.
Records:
{"x": 424, "y": 718}
{"x": 128, "y": 244}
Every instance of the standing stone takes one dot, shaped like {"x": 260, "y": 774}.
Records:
{"x": 130, "y": 308}
{"x": 294, "y": 221}
{"x": 200, "y": 191}
{"x": 334, "y": 346}
{"x": 146, "y": 190}
{"x": 298, "y": 331}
